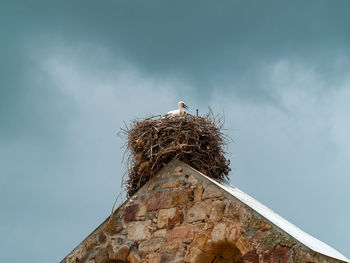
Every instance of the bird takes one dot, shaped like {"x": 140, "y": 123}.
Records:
{"x": 180, "y": 111}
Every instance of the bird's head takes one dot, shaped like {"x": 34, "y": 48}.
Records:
{"x": 182, "y": 105}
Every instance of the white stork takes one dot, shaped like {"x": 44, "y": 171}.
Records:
{"x": 180, "y": 111}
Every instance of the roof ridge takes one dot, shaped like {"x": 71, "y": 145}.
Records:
{"x": 283, "y": 224}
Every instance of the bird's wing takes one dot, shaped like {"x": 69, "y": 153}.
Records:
{"x": 173, "y": 112}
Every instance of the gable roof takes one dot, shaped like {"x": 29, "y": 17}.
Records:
{"x": 304, "y": 238}
{"x": 281, "y": 223}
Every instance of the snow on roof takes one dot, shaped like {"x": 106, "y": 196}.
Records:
{"x": 304, "y": 238}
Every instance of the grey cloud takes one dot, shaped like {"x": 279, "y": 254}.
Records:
{"x": 208, "y": 45}
{"x": 72, "y": 72}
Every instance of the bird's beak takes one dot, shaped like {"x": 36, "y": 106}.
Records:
{"x": 185, "y": 106}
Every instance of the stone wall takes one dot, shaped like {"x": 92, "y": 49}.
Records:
{"x": 180, "y": 216}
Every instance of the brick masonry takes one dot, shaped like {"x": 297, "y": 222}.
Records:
{"x": 180, "y": 216}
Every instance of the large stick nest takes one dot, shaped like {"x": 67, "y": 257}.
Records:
{"x": 153, "y": 142}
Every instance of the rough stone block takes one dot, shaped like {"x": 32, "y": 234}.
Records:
{"x": 151, "y": 245}
{"x": 251, "y": 256}
{"x": 182, "y": 196}
{"x": 197, "y": 192}
{"x": 200, "y": 227}
{"x": 218, "y": 233}
{"x": 117, "y": 252}
{"x": 138, "y": 231}
{"x": 130, "y": 212}
{"x": 174, "y": 255}
{"x": 242, "y": 245}
{"x": 196, "y": 212}
{"x": 160, "y": 233}
{"x": 101, "y": 237}
{"x": 78, "y": 255}
{"x": 153, "y": 258}
{"x": 195, "y": 255}
{"x": 280, "y": 254}
{"x": 134, "y": 257}
{"x": 90, "y": 242}
{"x": 102, "y": 256}
{"x": 160, "y": 200}
{"x": 217, "y": 210}
{"x": 164, "y": 215}
{"x": 114, "y": 225}
{"x": 135, "y": 212}
{"x": 176, "y": 220}
{"x": 211, "y": 192}
{"x": 180, "y": 233}
{"x": 232, "y": 233}
{"x": 201, "y": 240}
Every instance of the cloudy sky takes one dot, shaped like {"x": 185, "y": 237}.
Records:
{"x": 73, "y": 71}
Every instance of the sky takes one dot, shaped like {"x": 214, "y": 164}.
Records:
{"x": 72, "y": 73}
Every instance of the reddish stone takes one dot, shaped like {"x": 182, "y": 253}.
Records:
{"x": 181, "y": 233}
{"x": 101, "y": 237}
{"x": 280, "y": 255}
{"x": 159, "y": 200}
{"x": 251, "y": 256}
{"x": 266, "y": 257}
{"x": 130, "y": 213}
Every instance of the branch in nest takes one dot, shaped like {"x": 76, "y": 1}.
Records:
{"x": 154, "y": 141}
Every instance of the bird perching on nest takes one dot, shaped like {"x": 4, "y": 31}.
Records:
{"x": 180, "y": 111}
